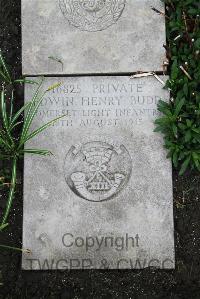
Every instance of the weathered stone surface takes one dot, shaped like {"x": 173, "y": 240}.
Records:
{"x": 107, "y": 182}
{"x": 100, "y": 36}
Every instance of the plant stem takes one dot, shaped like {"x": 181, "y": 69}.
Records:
{"x": 15, "y": 248}
{"x": 11, "y": 192}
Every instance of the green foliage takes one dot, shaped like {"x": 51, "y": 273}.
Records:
{"x": 12, "y": 143}
{"x": 180, "y": 120}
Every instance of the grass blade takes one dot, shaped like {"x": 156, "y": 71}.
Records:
{"x": 4, "y": 117}
{"x": 185, "y": 165}
{"x": 41, "y": 152}
{"x": 3, "y": 111}
{"x": 11, "y": 193}
{"x": 17, "y": 115}
{"x": 23, "y": 81}
{"x": 33, "y": 110}
{"x": 33, "y": 113}
{"x": 4, "y": 142}
{"x": 15, "y": 125}
{"x": 30, "y": 108}
{"x": 2, "y": 227}
{"x": 15, "y": 248}
{"x": 30, "y": 117}
{"x": 56, "y": 85}
{"x": 11, "y": 106}
{"x": 4, "y": 77}
{"x": 5, "y": 69}
{"x": 39, "y": 130}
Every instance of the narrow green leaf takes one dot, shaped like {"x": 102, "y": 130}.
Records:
{"x": 23, "y": 81}
{"x": 3, "y": 111}
{"x": 17, "y": 115}
{"x": 197, "y": 137}
{"x": 158, "y": 129}
{"x": 2, "y": 62}
{"x": 196, "y": 159}
{"x": 179, "y": 107}
{"x": 189, "y": 123}
{"x": 181, "y": 155}
{"x": 185, "y": 89}
{"x": 197, "y": 164}
{"x": 169, "y": 154}
{"x": 175, "y": 159}
{"x": 195, "y": 156}
{"x": 185, "y": 165}
{"x": 15, "y": 125}
{"x": 56, "y": 59}
{"x": 4, "y": 77}
{"x": 196, "y": 130}
{"x": 4, "y": 116}
{"x": 162, "y": 121}
{"x": 15, "y": 248}
{"x": 188, "y": 136}
{"x": 56, "y": 85}
{"x": 5, "y": 143}
{"x": 11, "y": 192}
{"x": 11, "y": 106}
{"x": 2, "y": 227}
{"x": 30, "y": 118}
{"x": 182, "y": 126}
{"x": 29, "y": 112}
{"x": 39, "y": 130}
{"x": 37, "y": 152}
{"x": 175, "y": 130}
{"x": 174, "y": 70}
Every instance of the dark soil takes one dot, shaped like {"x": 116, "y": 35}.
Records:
{"x": 184, "y": 282}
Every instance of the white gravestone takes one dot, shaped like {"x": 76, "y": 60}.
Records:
{"x": 92, "y": 36}
{"x": 104, "y": 199}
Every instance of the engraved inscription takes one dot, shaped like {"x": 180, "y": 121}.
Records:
{"x": 100, "y": 104}
{"x": 97, "y": 171}
{"x": 92, "y": 15}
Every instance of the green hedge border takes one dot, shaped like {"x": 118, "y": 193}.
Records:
{"x": 180, "y": 120}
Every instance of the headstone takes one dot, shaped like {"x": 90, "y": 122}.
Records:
{"x": 92, "y": 36}
{"x": 104, "y": 199}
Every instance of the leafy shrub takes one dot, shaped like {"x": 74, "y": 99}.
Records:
{"x": 180, "y": 120}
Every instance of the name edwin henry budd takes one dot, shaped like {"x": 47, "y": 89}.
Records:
{"x": 104, "y": 105}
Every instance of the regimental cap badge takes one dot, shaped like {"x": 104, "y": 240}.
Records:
{"x": 92, "y": 15}
{"x": 97, "y": 172}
